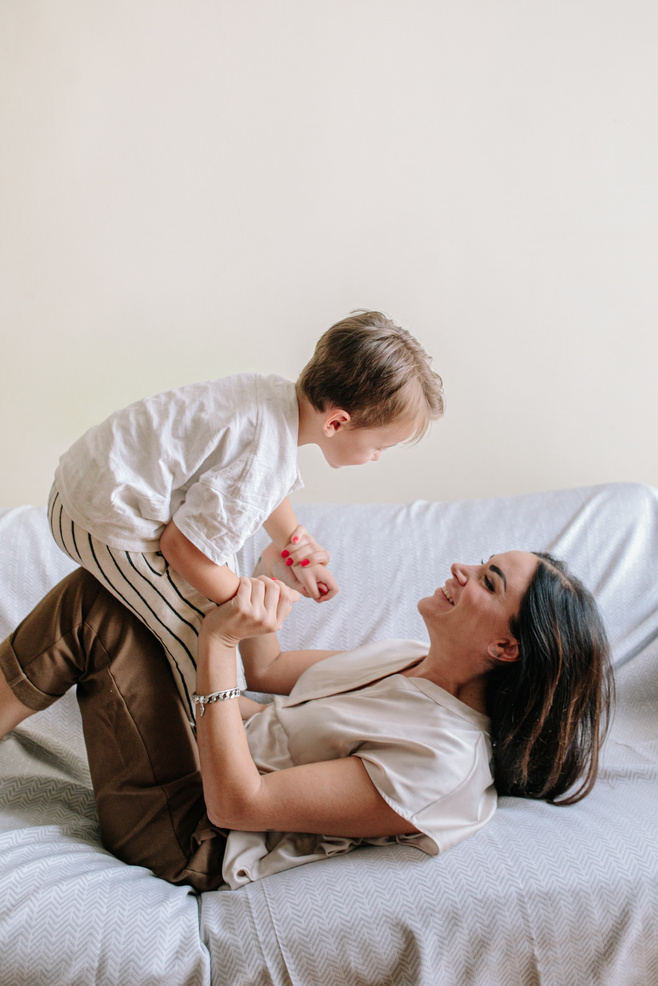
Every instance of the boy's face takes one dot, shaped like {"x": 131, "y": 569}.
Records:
{"x": 353, "y": 446}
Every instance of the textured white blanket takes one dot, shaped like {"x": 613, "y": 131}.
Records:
{"x": 542, "y": 895}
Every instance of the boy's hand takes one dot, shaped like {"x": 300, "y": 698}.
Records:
{"x": 307, "y": 562}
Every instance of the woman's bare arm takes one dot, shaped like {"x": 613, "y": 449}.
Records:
{"x": 334, "y": 797}
{"x": 271, "y": 670}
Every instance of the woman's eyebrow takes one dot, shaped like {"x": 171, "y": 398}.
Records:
{"x": 494, "y": 568}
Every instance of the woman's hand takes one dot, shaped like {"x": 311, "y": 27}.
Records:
{"x": 260, "y": 606}
{"x": 306, "y": 562}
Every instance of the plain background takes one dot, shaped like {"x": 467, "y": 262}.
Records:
{"x": 192, "y": 188}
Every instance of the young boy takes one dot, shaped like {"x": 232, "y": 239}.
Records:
{"x": 156, "y": 500}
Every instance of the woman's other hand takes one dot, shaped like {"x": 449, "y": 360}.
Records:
{"x": 307, "y": 562}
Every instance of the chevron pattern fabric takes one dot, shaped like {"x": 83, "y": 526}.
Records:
{"x": 542, "y": 895}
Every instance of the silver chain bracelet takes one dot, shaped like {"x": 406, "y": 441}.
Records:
{"x": 203, "y": 700}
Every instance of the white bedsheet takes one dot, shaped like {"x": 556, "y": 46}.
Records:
{"x": 542, "y": 895}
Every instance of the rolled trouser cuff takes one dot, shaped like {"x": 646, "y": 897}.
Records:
{"x": 43, "y": 658}
{"x": 25, "y": 691}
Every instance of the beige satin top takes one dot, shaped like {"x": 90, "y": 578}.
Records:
{"x": 427, "y": 753}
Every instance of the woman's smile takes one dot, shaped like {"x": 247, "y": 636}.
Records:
{"x": 446, "y": 592}
{"x": 477, "y": 602}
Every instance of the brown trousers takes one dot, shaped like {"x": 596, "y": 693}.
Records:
{"x": 141, "y": 749}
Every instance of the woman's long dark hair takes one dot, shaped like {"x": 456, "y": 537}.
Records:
{"x": 550, "y": 710}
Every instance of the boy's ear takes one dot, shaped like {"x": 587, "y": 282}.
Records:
{"x": 334, "y": 420}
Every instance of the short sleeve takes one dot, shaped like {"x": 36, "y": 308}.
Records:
{"x": 216, "y": 523}
{"x": 442, "y": 785}
{"x": 255, "y": 469}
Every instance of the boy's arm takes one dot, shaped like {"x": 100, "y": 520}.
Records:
{"x": 281, "y": 524}
{"x": 216, "y": 582}
{"x": 297, "y": 546}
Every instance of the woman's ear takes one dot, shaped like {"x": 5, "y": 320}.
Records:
{"x": 505, "y": 650}
{"x": 334, "y": 420}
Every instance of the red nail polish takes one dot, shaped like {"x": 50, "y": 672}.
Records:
{"x": 284, "y": 554}
{"x": 295, "y": 540}
{"x": 305, "y": 563}
{"x": 274, "y": 579}
{"x": 289, "y": 561}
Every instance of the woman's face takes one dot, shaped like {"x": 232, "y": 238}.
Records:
{"x": 474, "y": 607}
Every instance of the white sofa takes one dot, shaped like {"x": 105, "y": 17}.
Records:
{"x": 542, "y": 895}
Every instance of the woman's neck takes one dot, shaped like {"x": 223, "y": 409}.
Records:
{"x": 468, "y": 688}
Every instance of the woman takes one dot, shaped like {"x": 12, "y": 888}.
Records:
{"x": 390, "y": 741}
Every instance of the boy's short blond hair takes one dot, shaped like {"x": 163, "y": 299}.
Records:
{"x": 376, "y": 371}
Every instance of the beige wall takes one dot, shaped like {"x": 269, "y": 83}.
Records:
{"x": 190, "y": 188}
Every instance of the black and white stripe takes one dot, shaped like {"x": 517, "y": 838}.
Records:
{"x": 171, "y": 608}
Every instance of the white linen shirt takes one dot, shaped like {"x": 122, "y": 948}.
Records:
{"x": 215, "y": 457}
{"x": 427, "y": 753}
